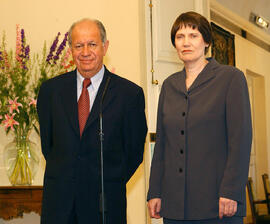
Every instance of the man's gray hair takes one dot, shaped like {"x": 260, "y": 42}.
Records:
{"x": 99, "y": 24}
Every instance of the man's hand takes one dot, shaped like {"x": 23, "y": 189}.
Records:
{"x": 227, "y": 207}
{"x": 154, "y": 206}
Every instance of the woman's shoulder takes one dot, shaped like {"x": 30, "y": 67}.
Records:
{"x": 173, "y": 77}
{"x": 230, "y": 69}
{"x": 226, "y": 69}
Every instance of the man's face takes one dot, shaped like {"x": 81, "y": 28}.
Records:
{"x": 87, "y": 48}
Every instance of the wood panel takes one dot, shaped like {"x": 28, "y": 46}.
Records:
{"x": 15, "y": 201}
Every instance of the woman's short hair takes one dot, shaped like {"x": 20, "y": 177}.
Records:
{"x": 195, "y": 21}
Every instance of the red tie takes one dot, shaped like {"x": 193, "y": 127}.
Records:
{"x": 84, "y": 105}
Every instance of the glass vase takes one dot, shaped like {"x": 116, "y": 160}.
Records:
{"x": 21, "y": 159}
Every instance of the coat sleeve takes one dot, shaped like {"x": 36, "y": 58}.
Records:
{"x": 44, "y": 115}
{"x": 135, "y": 130}
{"x": 157, "y": 164}
{"x": 239, "y": 138}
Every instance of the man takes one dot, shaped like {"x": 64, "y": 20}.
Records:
{"x": 70, "y": 134}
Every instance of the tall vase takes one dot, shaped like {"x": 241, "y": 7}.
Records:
{"x": 21, "y": 159}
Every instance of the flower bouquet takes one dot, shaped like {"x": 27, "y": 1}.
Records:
{"x": 20, "y": 79}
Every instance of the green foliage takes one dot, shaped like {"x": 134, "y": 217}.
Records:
{"x": 21, "y": 77}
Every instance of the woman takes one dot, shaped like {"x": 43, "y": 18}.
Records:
{"x": 201, "y": 157}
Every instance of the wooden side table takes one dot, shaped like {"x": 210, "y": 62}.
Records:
{"x": 16, "y": 200}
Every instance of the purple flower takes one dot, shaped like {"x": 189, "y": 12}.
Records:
{"x": 60, "y": 48}
{"x": 27, "y": 51}
{"x": 22, "y": 34}
{"x": 1, "y": 58}
{"x": 23, "y": 39}
{"x": 25, "y": 56}
{"x": 52, "y": 49}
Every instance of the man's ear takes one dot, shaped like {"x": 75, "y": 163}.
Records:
{"x": 105, "y": 47}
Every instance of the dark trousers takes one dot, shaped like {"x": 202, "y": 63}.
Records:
{"x": 73, "y": 217}
{"x": 224, "y": 220}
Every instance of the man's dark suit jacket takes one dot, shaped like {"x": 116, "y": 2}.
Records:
{"x": 72, "y": 175}
{"x": 203, "y": 143}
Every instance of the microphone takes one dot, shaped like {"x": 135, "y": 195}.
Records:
{"x": 102, "y": 201}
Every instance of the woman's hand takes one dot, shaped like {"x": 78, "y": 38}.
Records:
{"x": 154, "y": 206}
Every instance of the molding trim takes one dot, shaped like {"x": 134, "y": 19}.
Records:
{"x": 202, "y": 7}
{"x": 239, "y": 21}
{"x": 162, "y": 53}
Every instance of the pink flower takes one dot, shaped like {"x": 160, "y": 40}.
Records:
{"x": 71, "y": 63}
{"x": 18, "y": 44}
{"x": 33, "y": 102}
{"x": 113, "y": 70}
{"x": 9, "y": 122}
{"x": 14, "y": 105}
{"x": 66, "y": 57}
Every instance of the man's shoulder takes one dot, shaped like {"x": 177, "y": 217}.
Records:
{"x": 124, "y": 84}
{"x": 60, "y": 79}
{"x": 64, "y": 76}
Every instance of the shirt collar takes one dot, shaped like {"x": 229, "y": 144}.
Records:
{"x": 95, "y": 80}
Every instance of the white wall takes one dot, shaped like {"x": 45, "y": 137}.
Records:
{"x": 255, "y": 59}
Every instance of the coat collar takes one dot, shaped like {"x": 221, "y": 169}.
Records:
{"x": 68, "y": 94}
{"x": 108, "y": 98}
{"x": 205, "y": 75}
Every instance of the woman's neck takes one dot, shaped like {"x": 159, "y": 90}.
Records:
{"x": 193, "y": 69}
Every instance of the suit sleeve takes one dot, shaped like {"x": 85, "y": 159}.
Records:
{"x": 239, "y": 138}
{"x": 135, "y": 132}
{"x": 44, "y": 114}
{"x": 158, "y": 158}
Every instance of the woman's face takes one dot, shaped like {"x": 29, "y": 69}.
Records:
{"x": 189, "y": 44}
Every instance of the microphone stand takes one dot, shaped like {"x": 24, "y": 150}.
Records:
{"x": 102, "y": 207}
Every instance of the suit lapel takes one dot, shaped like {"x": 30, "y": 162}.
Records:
{"x": 68, "y": 94}
{"x": 206, "y": 74}
{"x": 110, "y": 94}
{"x": 180, "y": 83}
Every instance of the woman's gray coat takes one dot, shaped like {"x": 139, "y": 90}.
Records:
{"x": 203, "y": 143}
